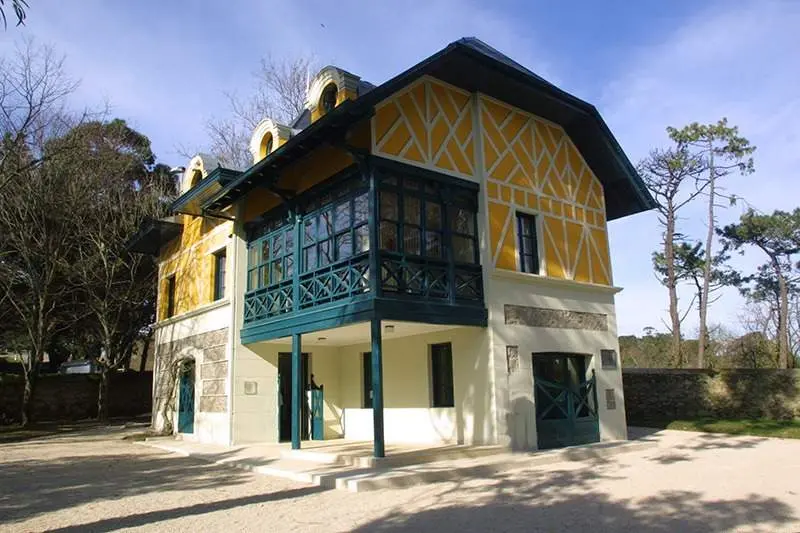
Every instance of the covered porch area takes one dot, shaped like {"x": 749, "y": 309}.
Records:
{"x": 392, "y": 384}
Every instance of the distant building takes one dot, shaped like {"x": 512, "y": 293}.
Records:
{"x": 433, "y": 249}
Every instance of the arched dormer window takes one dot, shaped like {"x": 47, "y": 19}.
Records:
{"x": 328, "y": 99}
{"x": 197, "y": 177}
{"x": 267, "y": 143}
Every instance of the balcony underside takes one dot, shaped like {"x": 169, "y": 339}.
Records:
{"x": 362, "y": 308}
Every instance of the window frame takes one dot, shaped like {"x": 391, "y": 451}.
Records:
{"x": 447, "y": 197}
{"x": 536, "y": 217}
{"x": 170, "y": 295}
{"x": 442, "y": 394}
{"x": 261, "y": 265}
{"x": 220, "y": 258}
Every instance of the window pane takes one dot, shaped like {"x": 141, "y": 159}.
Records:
{"x": 277, "y": 271}
{"x": 389, "y": 236}
{"x": 361, "y": 209}
{"x": 530, "y": 264}
{"x": 252, "y": 279}
{"x": 309, "y": 230}
{"x": 289, "y": 242}
{"x": 325, "y": 225}
{"x": 277, "y": 245}
{"x": 462, "y": 221}
{"x": 389, "y": 180}
{"x": 362, "y": 239}
{"x": 463, "y": 249}
{"x": 342, "y": 217}
{"x": 344, "y": 246}
{"x": 325, "y": 257}
{"x": 408, "y": 183}
{"x": 310, "y": 258}
{"x": 388, "y": 205}
{"x": 433, "y": 244}
{"x": 264, "y": 275}
{"x": 411, "y": 240}
{"x": 265, "y": 251}
{"x": 411, "y": 215}
{"x": 289, "y": 266}
{"x": 433, "y": 216}
{"x": 252, "y": 256}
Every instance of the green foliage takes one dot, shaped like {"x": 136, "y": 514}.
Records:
{"x": 718, "y": 146}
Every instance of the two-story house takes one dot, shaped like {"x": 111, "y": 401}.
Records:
{"x": 432, "y": 253}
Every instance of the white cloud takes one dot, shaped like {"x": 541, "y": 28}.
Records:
{"x": 740, "y": 63}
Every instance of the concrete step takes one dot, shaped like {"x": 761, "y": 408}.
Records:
{"x": 453, "y": 470}
{"x": 394, "y": 458}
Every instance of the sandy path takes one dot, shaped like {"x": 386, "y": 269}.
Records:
{"x": 92, "y": 481}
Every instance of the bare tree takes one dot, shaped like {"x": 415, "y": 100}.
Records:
{"x": 279, "y": 93}
{"x": 33, "y": 93}
{"x": 19, "y": 7}
{"x": 666, "y": 173}
{"x": 36, "y": 248}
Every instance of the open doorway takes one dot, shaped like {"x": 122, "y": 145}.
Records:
{"x": 285, "y": 397}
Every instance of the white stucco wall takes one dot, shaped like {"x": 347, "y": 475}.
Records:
{"x": 516, "y": 417}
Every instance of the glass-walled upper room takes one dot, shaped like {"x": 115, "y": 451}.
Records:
{"x": 416, "y": 233}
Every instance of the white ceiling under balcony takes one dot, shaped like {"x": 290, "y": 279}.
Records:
{"x": 360, "y": 333}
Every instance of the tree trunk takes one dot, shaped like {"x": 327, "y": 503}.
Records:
{"x": 783, "y": 322}
{"x": 102, "y": 395}
{"x": 27, "y": 395}
{"x": 669, "y": 254}
{"x": 702, "y": 341}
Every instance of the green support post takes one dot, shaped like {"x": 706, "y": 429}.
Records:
{"x": 377, "y": 388}
{"x": 297, "y": 389}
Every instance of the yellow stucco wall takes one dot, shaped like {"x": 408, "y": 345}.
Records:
{"x": 190, "y": 259}
{"x": 429, "y": 124}
{"x": 531, "y": 165}
{"x": 528, "y": 165}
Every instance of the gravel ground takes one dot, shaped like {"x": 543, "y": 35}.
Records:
{"x": 92, "y": 481}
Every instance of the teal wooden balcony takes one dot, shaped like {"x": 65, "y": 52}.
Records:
{"x": 391, "y": 242}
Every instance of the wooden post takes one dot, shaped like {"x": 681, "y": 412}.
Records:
{"x": 297, "y": 389}
{"x": 377, "y": 388}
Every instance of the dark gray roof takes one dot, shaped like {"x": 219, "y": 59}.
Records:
{"x": 475, "y": 66}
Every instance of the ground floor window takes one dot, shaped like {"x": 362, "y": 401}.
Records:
{"x": 367, "y": 375}
{"x": 442, "y": 375}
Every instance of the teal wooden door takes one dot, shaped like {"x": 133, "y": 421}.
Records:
{"x": 566, "y": 401}
{"x": 186, "y": 400}
{"x": 317, "y": 419}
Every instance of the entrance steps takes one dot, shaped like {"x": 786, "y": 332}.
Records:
{"x": 349, "y": 467}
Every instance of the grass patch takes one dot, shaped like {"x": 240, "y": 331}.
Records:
{"x": 761, "y": 427}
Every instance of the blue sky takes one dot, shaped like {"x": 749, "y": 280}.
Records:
{"x": 164, "y": 66}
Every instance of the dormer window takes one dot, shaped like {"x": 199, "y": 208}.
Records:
{"x": 328, "y": 99}
{"x": 267, "y": 143}
{"x": 197, "y": 177}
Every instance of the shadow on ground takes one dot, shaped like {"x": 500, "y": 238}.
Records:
{"x": 574, "y": 500}
{"x": 31, "y": 488}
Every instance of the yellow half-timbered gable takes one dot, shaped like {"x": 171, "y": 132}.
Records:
{"x": 532, "y": 165}
{"x": 430, "y": 124}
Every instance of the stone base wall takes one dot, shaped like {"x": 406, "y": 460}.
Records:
{"x": 74, "y": 396}
{"x": 209, "y": 352}
{"x": 653, "y": 395}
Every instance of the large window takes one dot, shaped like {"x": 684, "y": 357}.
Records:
{"x": 270, "y": 259}
{"x": 170, "y": 295}
{"x": 442, "y": 375}
{"x": 425, "y": 218}
{"x": 528, "y": 244}
{"x": 219, "y": 275}
{"x": 336, "y": 232}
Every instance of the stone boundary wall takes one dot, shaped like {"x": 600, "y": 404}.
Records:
{"x": 74, "y": 396}
{"x": 653, "y": 394}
